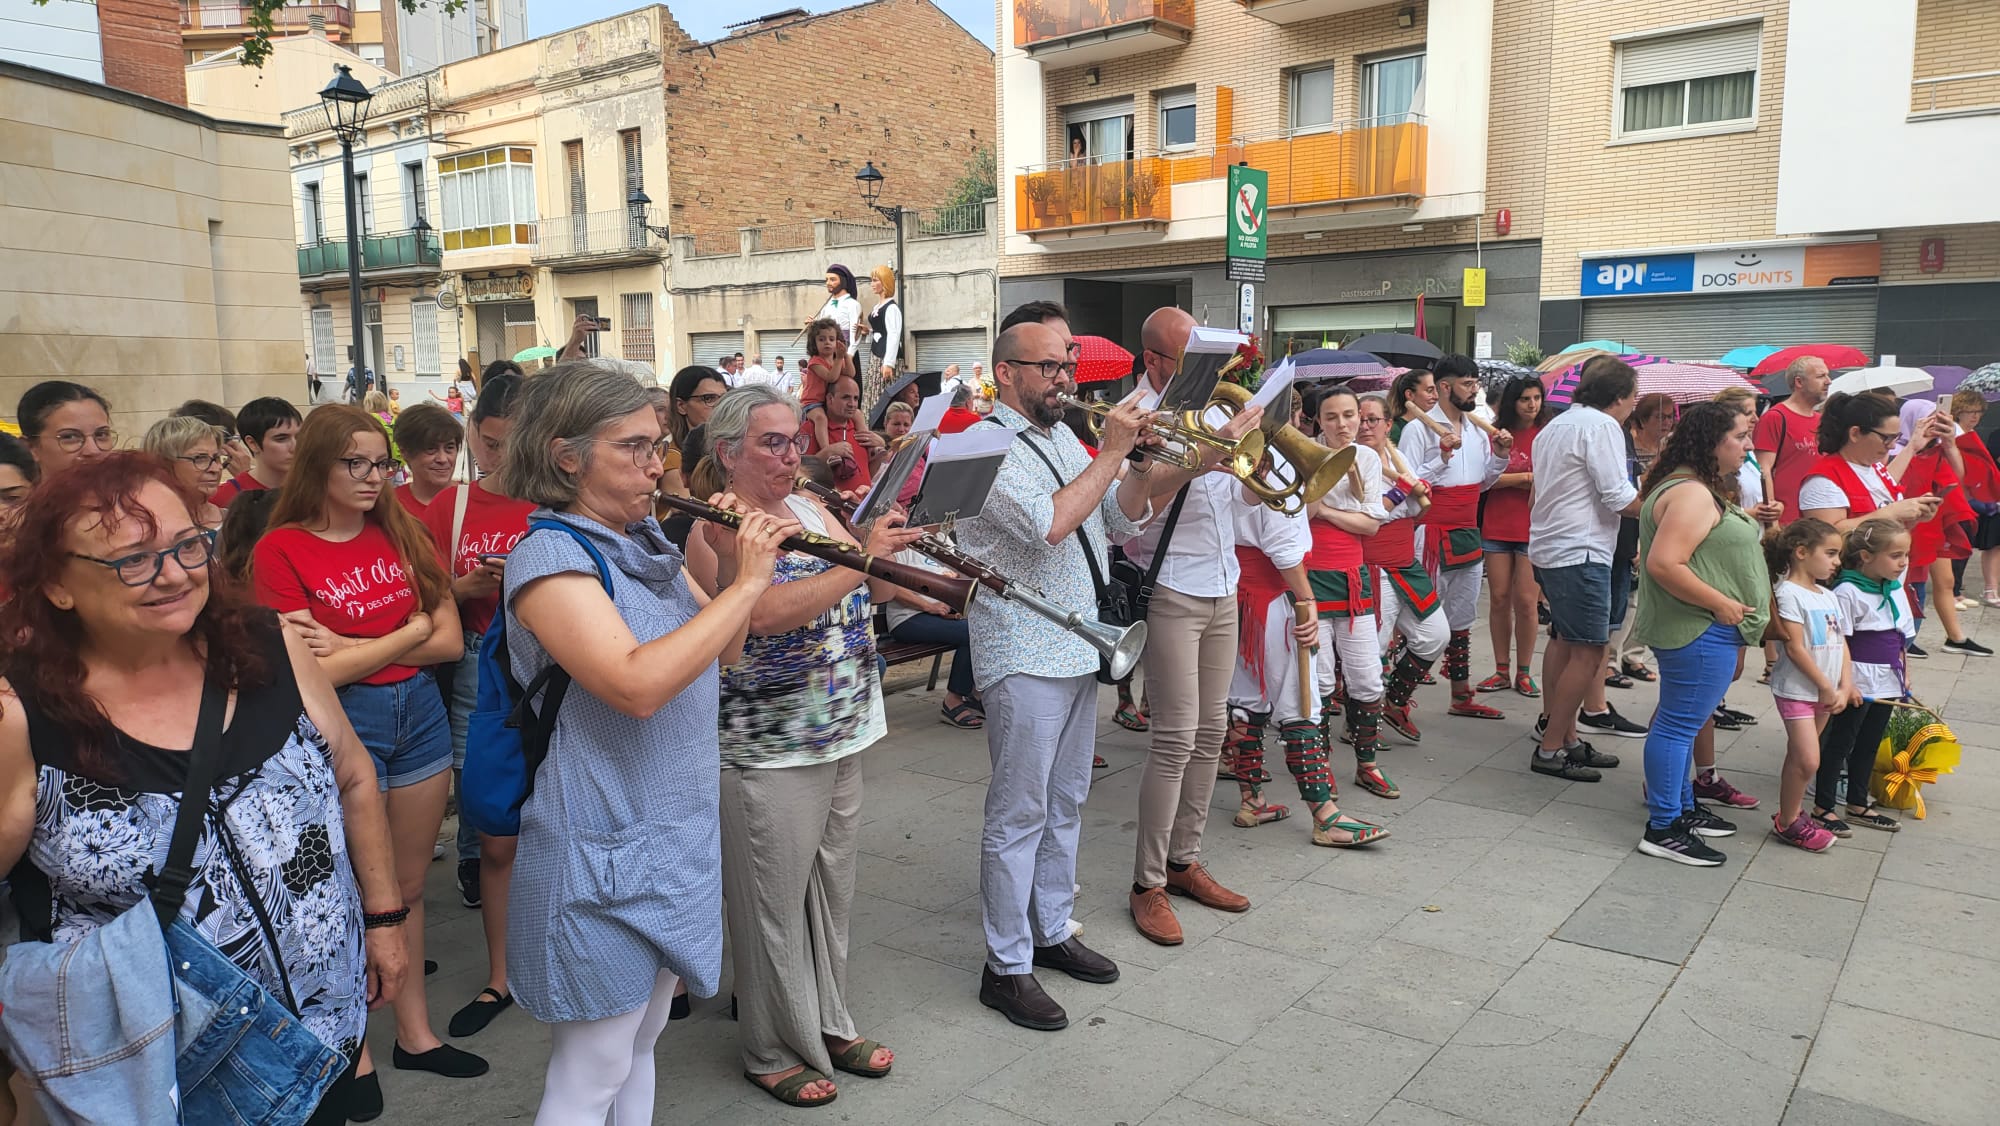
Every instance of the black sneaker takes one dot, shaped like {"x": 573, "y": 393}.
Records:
{"x": 1677, "y": 844}
{"x": 1743, "y": 719}
{"x": 1968, "y": 648}
{"x": 1565, "y": 766}
{"x": 468, "y": 881}
{"x": 1541, "y": 726}
{"x": 1917, "y": 651}
{"x": 1703, "y": 821}
{"x": 1609, "y": 722}
{"x": 1724, "y": 721}
{"x": 1588, "y": 755}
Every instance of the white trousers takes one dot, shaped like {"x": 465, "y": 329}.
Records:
{"x": 1279, "y": 694}
{"x": 1460, "y": 591}
{"x": 1041, "y": 733}
{"x": 1349, "y": 649}
{"x": 1426, "y": 636}
{"x": 601, "y": 1071}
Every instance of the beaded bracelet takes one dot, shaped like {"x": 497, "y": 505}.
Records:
{"x": 384, "y": 919}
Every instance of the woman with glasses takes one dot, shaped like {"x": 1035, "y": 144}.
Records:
{"x": 1855, "y": 477}
{"x": 690, "y": 398}
{"x": 616, "y": 883}
{"x": 64, "y": 423}
{"x": 122, "y": 621}
{"x": 194, "y": 449}
{"x": 355, "y": 575}
{"x": 797, "y": 709}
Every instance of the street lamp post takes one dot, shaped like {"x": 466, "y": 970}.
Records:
{"x": 346, "y": 101}
{"x": 870, "y": 179}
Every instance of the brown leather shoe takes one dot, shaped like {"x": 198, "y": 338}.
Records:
{"x": 1198, "y": 885}
{"x": 1072, "y": 957}
{"x": 1020, "y": 998}
{"x": 1154, "y": 916}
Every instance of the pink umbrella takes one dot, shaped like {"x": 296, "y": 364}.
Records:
{"x": 1686, "y": 383}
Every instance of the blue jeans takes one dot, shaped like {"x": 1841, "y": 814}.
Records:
{"x": 464, "y": 696}
{"x": 404, "y": 727}
{"x": 929, "y": 629}
{"x": 1693, "y": 681}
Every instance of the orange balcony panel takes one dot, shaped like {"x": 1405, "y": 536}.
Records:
{"x": 1343, "y": 165}
{"x": 1102, "y": 198}
{"x": 1077, "y": 32}
{"x": 1298, "y": 11}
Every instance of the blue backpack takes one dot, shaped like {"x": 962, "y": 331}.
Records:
{"x": 509, "y": 736}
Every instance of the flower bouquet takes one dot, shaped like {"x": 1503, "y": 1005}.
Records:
{"x": 1246, "y": 367}
{"x": 1915, "y": 752}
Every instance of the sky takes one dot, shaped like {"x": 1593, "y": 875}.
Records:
{"x": 709, "y": 19}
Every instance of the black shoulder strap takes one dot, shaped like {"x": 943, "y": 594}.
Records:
{"x": 170, "y": 890}
{"x": 1090, "y": 555}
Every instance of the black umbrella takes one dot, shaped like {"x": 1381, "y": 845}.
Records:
{"x": 1398, "y": 348}
{"x": 928, "y": 383}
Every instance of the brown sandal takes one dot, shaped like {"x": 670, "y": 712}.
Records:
{"x": 787, "y": 1090}
{"x": 854, "y": 1058}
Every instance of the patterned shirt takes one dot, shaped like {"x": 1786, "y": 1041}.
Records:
{"x": 1011, "y": 535}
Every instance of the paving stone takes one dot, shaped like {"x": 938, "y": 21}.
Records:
{"x": 966, "y": 1111}
{"x": 1400, "y": 1113}
{"x": 1678, "y": 1071}
{"x": 1811, "y": 1108}
{"x": 1649, "y": 875}
{"x": 885, "y": 983}
{"x": 1327, "y": 925}
{"x": 1493, "y": 926}
{"x": 1944, "y": 865}
{"x": 1570, "y": 825}
{"x": 1113, "y": 1067}
{"x": 1225, "y": 990}
{"x": 1506, "y": 1071}
{"x": 1895, "y": 977}
{"x": 1941, "y": 920}
{"x": 1801, "y": 921}
{"x": 1620, "y": 990}
{"x": 1302, "y": 1065}
{"x": 1922, "y": 1071}
{"x": 1405, "y": 869}
{"x": 1504, "y": 790}
{"x": 926, "y": 879}
{"x": 935, "y": 1062}
{"x": 1763, "y": 986}
{"x": 1187, "y": 1112}
{"x": 952, "y": 936}
{"x": 1664, "y": 928}
{"x": 1842, "y": 870}
{"x": 1412, "y": 991}
{"x": 1436, "y": 819}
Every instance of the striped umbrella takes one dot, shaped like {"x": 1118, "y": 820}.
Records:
{"x": 1686, "y": 383}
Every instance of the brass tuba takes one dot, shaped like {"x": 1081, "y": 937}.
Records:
{"x": 1299, "y": 470}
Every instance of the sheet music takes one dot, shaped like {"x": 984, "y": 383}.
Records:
{"x": 1207, "y": 350}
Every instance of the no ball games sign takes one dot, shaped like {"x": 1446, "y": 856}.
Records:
{"x": 1247, "y": 215}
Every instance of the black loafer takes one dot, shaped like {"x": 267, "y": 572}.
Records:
{"x": 442, "y": 1060}
{"x": 474, "y": 1017}
{"x": 1078, "y": 961}
{"x": 680, "y": 1008}
{"x": 1020, "y": 999}
{"x": 362, "y": 1096}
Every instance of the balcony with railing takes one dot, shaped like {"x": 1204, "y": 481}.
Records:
{"x": 383, "y": 256}
{"x": 1354, "y": 167}
{"x": 596, "y": 238}
{"x": 1298, "y": 11}
{"x": 1973, "y": 94}
{"x": 1075, "y": 32}
{"x": 199, "y": 17}
{"x": 1092, "y": 199}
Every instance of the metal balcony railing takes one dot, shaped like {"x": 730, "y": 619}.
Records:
{"x": 1092, "y": 193}
{"x": 941, "y": 222}
{"x": 391, "y": 251}
{"x": 226, "y": 17}
{"x": 1976, "y": 91}
{"x": 1373, "y": 158}
{"x": 1043, "y": 21}
{"x": 595, "y": 234}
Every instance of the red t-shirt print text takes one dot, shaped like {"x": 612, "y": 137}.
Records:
{"x": 361, "y": 592}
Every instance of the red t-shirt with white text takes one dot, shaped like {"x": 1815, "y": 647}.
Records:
{"x": 493, "y": 523}
{"x": 355, "y": 589}
{"x": 1795, "y": 438}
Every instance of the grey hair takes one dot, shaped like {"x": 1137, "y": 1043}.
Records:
{"x": 171, "y": 437}
{"x": 557, "y": 410}
{"x": 729, "y": 422}
{"x": 1797, "y": 369}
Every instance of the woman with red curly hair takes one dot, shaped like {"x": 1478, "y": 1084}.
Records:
{"x": 357, "y": 576}
{"x": 119, "y": 624}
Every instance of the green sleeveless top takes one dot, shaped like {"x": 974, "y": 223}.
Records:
{"x": 1730, "y": 559}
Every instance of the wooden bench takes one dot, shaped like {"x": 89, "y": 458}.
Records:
{"x": 895, "y": 652}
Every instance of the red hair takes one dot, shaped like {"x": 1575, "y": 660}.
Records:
{"x": 45, "y": 664}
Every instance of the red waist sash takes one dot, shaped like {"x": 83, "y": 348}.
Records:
{"x": 1394, "y": 546}
{"x": 1260, "y": 585}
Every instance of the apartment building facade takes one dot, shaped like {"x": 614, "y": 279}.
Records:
{"x": 398, "y": 39}
{"x": 1658, "y": 177}
{"x": 548, "y": 178}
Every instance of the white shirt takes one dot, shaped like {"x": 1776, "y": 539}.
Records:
{"x": 1580, "y": 488}
{"x": 1862, "y": 610}
{"x": 1368, "y": 465}
{"x": 1473, "y": 463}
{"x": 755, "y": 373}
{"x": 1750, "y": 481}
{"x": 1821, "y": 492}
{"x": 899, "y": 612}
{"x": 1201, "y": 555}
{"x": 1283, "y": 539}
{"x": 1824, "y": 622}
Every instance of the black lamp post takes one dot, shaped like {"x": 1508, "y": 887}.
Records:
{"x": 870, "y": 178}
{"x": 346, "y": 101}
{"x": 637, "y": 205}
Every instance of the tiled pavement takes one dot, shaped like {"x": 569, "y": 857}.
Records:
{"x": 1505, "y": 957}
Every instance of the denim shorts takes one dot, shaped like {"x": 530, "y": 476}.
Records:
{"x": 1622, "y": 579}
{"x": 404, "y": 727}
{"x": 1579, "y": 599}
{"x": 1503, "y": 547}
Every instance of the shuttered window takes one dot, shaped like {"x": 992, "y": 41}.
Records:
{"x": 635, "y": 314}
{"x": 323, "y": 346}
{"x": 1703, "y": 328}
{"x": 936, "y": 351}
{"x": 1693, "y": 82}
{"x": 635, "y": 182}
{"x": 424, "y": 337}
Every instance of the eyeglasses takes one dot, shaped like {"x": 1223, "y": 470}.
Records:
{"x": 707, "y": 400}
{"x": 776, "y": 444}
{"x": 1886, "y": 435}
{"x": 641, "y": 450}
{"x": 358, "y": 467}
{"x": 1366, "y": 421}
{"x": 70, "y": 441}
{"x": 203, "y": 462}
{"x": 142, "y": 567}
{"x": 1050, "y": 369}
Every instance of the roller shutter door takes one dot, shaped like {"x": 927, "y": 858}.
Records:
{"x": 936, "y": 351}
{"x": 710, "y": 347}
{"x": 1703, "y": 328}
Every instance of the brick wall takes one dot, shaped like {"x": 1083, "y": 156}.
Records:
{"x": 1603, "y": 195}
{"x": 771, "y": 127}
{"x": 142, "y": 48}
{"x": 1956, "y": 37}
{"x": 1971, "y": 253}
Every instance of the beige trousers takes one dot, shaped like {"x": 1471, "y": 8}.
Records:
{"x": 789, "y": 840}
{"x": 1190, "y": 659}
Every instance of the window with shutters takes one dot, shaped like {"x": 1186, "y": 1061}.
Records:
{"x": 424, "y": 337}
{"x": 325, "y": 361}
{"x": 579, "y": 201}
{"x": 635, "y": 330}
{"x": 635, "y": 183}
{"x": 364, "y": 204}
{"x": 1177, "y": 120}
{"x": 315, "y": 214}
{"x": 1311, "y": 93}
{"x": 1689, "y": 83}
